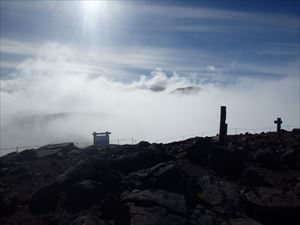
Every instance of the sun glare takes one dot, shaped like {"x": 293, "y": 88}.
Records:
{"x": 98, "y": 18}
{"x": 92, "y": 6}
{"x": 94, "y": 13}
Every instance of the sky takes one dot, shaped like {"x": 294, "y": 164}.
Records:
{"x": 69, "y": 68}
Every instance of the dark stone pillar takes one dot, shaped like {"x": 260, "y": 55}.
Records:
{"x": 223, "y": 125}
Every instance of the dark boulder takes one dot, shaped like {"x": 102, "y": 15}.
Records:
{"x": 4, "y": 171}
{"x": 151, "y": 207}
{"x": 17, "y": 170}
{"x": 8, "y": 205}
{"x": 206, "y": 152}
{"x": 139, "y": 160}
{"x": 86, "y": 193}
{"x": 88, "y": 220}
{"x": 143, "y": 145}
{"x": 55, "y": 149}
{"x": 204, "y": 216}
{"x": 131, "y": 214}
{"x": 290, "y": 159}
{"x": 266, "y": 158}
{"x": 255, "y": 176}
{"x": 226, "y": 161}
{"x": 166, "y": 176}
{"x": 172, "y": 202}
{"x": 45, "y": 199}
{"x": 93, "y": 167}
{"x": 9, "y": 157}
{"x": 273, "y": 206}
{"x": 199, "y": 149}
{"x": 222, "y": 196}
{"x": 108, "y": 206}
{"x": 243, "y": 221}
{"x": 27, "y": 155}
{"x": 83, "y": 195}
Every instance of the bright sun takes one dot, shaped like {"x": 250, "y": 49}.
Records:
{"x": 98, "y": 16}
{"x": 91, "y": 6}
{"x": 94, "y": 13}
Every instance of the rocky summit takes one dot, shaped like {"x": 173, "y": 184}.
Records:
{"x": 251, "y": 179}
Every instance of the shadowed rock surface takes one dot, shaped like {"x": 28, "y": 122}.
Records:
{"x": 250, "y": 180}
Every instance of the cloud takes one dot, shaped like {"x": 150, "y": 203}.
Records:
{"x": 127, "y": 64}
{"x": 211, "y": 68}
{"x": 18, "y": 48}
{"x": 159, "y": 81}
{"x": 215, "y": 14}
{"x": 54, "y": 99}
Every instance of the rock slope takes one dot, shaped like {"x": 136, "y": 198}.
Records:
{"x": 250, "y": 180}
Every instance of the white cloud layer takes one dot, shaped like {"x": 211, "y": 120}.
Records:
{"x": 55, "y": 97}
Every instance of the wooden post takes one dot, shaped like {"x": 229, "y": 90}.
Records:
{"x": 223, "y": 125}
{"x": 94, "y": 140}
{"x": 278, "y": 122}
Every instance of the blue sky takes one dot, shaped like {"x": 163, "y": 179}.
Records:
{"x": 113, "y": 65}
{"x": 260, "y": 38}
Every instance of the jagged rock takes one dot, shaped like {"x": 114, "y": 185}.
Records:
{"x": 205, "y": 152}
{"x": 93, "y": 167}
{"x": 296, "y": 130}
{"x": 156, "y": 147}
{"x": 243, "y": 221}
{"x": 142, "y": 145}
{"x": 291, "y": 158}
{"x": 88, "y": 220}
{"x": 198, "y": 150}
{"x": 172, "y": 202}
{"x": 55, "y": 149}
{"x": 272, "y": 206}
{"x": 45, "y": 199}
{"x": 18, "y": 170}
{"x": 9, "y": 157}
{"x": 108, "y": 206}
{"x": 255, "y": 176}
{"x": 4, "y": 171}
{"x": 166, "y": 176}
{"x": 266, "y": 158}
{"x": 191, "y": 182}
{"x": 204, "y": 216}
{"x": 8, "y": 205}
{"x": 130, "y": 214}
{"x": 27, "y": 155}
{"x": 151, "y": 207}
{"x": 139, "y": 160}
{"x": 222, "y": 196}
{"x": 226, "y": 161}
{"x": 84, "y": 194}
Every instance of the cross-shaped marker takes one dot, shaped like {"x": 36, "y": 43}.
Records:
{"x": 278, "y": 122}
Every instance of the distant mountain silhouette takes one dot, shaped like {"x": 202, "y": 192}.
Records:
{"x": 186, "y": 90}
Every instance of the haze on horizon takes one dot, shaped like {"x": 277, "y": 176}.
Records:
{"x": 69, "y": 68}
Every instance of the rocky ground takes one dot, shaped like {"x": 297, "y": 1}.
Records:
{"x": 250, "y": 180}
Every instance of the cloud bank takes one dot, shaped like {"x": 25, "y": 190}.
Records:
{"x": 53, "y": 97}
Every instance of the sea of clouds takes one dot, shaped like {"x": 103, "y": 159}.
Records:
{"x": 52, "y": 97}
